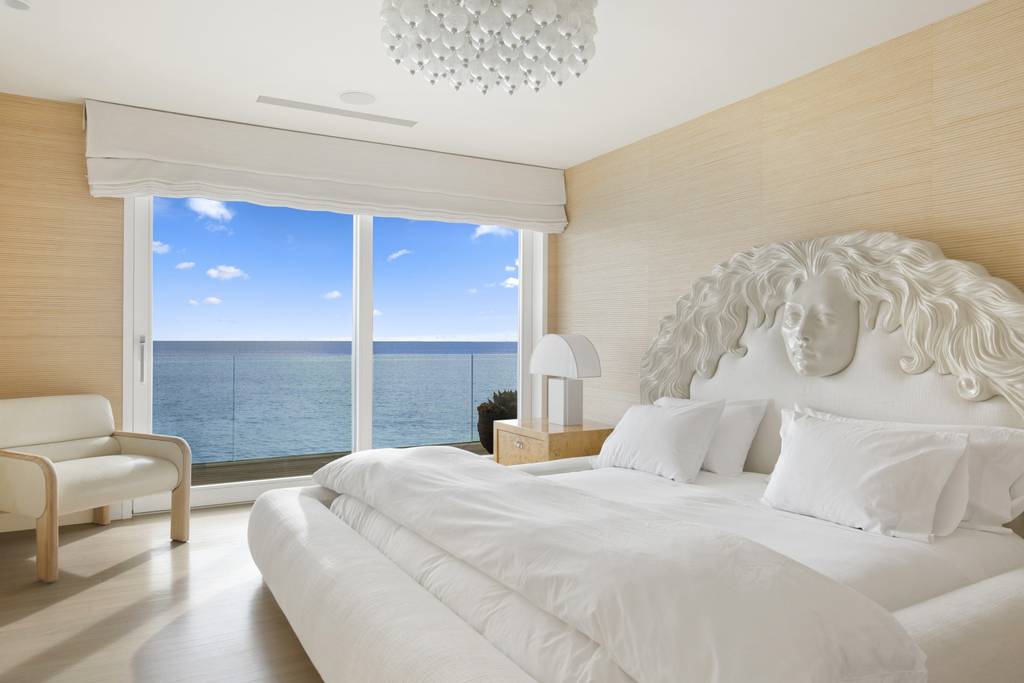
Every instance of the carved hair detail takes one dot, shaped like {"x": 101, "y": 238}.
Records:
{"x": 955, "y": 317}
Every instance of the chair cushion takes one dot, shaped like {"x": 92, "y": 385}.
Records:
{"x": 92, "y": 482}
{"x": 47, "y": 419}
{"x": 71, "y": 450}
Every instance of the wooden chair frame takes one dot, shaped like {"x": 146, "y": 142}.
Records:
{"x": 47, "y": 524}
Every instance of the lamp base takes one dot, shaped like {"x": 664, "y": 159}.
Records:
{"x": 565, "y": 401}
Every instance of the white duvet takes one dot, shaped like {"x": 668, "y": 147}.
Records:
{"x": 576, "y": 588}
{"x": 894, "y": 572}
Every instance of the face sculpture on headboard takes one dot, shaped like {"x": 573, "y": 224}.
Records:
{"x": 952, "y": 315}
{"x": 820, "y": 326}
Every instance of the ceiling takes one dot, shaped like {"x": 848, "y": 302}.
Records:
{"x": 659, "y": 63}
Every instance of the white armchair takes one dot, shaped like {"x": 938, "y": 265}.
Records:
{"x": 61, "y": 454}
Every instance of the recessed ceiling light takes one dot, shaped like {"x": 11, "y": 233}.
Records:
{"x": 19, "y": 4}
{"x": 360, "y": 99}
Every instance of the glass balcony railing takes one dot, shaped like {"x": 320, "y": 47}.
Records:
{"x": 423, "y": 399}
{"x": 251, "y": 400}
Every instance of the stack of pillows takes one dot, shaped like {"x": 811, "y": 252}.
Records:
{"x": 677, "y": 437}
{"x": 897, "y": 479}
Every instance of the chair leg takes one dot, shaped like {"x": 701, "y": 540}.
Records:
{"x": 46, "y": 546}
{"x": 180, "y": 511}
{"x": 101, "y": 515}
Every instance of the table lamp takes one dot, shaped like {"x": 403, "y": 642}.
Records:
{"x": 565, "y": 359}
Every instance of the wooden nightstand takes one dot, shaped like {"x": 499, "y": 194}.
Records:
{"x": 521, "y": 441}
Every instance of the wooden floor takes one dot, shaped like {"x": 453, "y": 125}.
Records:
{"x": 132, "y": 606}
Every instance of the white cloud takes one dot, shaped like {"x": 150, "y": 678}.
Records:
{"x": 471, "y": 290}
{"x": 185, "y": 265}
{"x": 210, "y": 208}
{"x": 226, "y": 273}
{"x": 193, "y": 302}
{"x": 377, "y": 312}
{"x": 332, "y": 295}
{"x": 398, "y": 254}
{"x": 219, "y": 227}
{"x": 511, "y": 269}
{"x": 212, "y": 300}
{"x": 495, "y": 230}
{"x": 510, "y": 282}
{"x": 160, "y": 248}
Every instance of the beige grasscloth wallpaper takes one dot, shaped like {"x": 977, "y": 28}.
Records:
{"x": 922, "y": 135}
{"x": 60, "y": 259}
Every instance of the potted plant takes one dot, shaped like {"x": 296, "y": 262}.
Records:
{"x": 501, "y": 406}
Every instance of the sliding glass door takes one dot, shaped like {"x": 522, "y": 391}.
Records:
{"x": 249, "y": 353}
{"x": 445, "y": 327}
{"x": 252, "y": 328}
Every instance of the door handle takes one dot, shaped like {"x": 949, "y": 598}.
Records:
{"x": 142, "y": 358}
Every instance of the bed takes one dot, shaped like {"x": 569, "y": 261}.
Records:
{"x": 432, "y": 564}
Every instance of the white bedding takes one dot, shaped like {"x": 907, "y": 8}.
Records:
{"x": 539, "y": 570}
{"x": 361, "y": 618}
{"x": 541, "y": 644}
{"x": 896, "y": 573}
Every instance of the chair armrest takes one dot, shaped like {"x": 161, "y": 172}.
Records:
{"x": 172, "y": 448}
{"x": 28, "y": 483}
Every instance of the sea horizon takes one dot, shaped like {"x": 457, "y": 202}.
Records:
{"x": 331, "y": 339}
{"x": 334, "y": 341}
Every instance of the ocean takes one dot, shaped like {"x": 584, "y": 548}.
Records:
{"x": 246, "y": 400}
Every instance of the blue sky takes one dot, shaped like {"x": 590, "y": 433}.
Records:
{"x": 238, "y": 271}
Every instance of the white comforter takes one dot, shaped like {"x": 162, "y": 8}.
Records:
{"x": 609, "y": 591}
{"x": 894, "y": 572}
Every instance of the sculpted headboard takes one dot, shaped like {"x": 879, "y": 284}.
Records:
{"x": 872, "y": 325}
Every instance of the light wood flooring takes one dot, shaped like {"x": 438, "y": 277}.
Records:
{"x": 132, "y": 606}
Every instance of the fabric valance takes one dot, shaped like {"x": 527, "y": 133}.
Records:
{"x": 132, "y": 151}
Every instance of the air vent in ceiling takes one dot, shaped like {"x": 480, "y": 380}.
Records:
{"x": 306, "y": 106}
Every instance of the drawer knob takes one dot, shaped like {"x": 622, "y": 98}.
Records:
{"x": 519, "y": 443}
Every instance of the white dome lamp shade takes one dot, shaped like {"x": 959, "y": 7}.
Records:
{"x": 565, "y": 359}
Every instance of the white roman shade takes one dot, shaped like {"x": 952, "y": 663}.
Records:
{"x": 132, "y": 152}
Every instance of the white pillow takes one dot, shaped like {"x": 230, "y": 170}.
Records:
{"x": 863, "y": 475}
{"x": 736, "y": 430}
{"x": 992, "y": 472}
{"x": 668, "y": 442}
{"x": 952, "y": 505}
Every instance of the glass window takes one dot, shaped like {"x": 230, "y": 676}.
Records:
{"x": 445, "y": 327}
{"x": 252, "y": 329}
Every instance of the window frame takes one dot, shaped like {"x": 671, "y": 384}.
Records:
{"x": 137, "y": 361}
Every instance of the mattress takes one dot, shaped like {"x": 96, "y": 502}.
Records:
{"x": 895, "y": 573}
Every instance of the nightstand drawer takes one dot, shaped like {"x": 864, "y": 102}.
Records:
{"x": 515, "y": 449}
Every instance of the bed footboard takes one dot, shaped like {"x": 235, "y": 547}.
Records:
{"x": 975, "y": 633}
{"x": 358, "y": 616}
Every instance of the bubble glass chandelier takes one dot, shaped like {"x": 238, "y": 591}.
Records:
{"x": 506, "y": 44}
